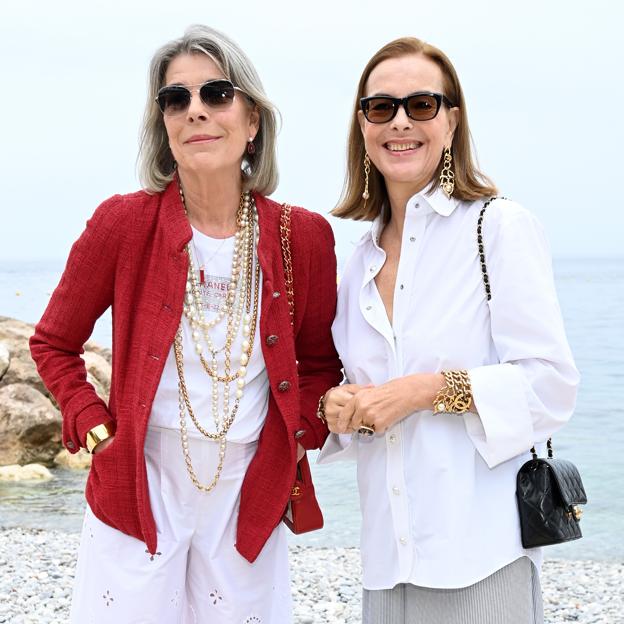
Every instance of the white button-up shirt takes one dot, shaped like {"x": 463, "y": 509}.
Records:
{"x": 437, "y": 493}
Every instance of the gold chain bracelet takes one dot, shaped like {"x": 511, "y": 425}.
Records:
{"x": 456, "y": 396}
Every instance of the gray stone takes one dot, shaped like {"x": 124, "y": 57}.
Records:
{"x": 30, "y": 426}
{"x": 79, "y": 461}
{"x": 5, "y": 359}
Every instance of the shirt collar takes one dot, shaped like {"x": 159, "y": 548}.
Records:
{"x": 419, "y": 204}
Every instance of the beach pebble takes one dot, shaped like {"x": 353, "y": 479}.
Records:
{"x": 38, "y": 572}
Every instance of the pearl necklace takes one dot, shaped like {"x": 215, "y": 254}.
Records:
{"x": 240, "y": 307}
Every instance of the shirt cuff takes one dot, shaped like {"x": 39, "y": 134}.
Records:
{"x": 338, "y": 447}
{"x": 503, "y": 428}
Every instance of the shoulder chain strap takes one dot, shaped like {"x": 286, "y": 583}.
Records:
{"x": 488, "y": 290}
{"x": 287, "y": 259}
{"x": 486, "y": 279}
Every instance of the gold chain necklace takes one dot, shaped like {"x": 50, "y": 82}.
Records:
{"x": 241, "y": 307}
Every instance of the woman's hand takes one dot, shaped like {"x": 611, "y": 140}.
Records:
{"x": 381, "y": 406}
{"x": 335, "y": 401}
{"x": 102, "y": 445}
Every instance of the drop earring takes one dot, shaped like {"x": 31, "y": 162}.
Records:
{"x": 447, "y": 177}
{"x": 251, "y": 148}
{"x": 365, "y": 194}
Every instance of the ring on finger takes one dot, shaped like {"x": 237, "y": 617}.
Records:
{"x": 366, "y": 430}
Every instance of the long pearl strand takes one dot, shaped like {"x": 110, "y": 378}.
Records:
{"x": 238, "y": 310}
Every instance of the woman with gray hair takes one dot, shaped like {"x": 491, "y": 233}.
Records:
{"x": 217, "y": 363}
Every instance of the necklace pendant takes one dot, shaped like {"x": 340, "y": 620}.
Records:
{"x": 202, "y": 277}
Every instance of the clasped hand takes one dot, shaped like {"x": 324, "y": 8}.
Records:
{"x": 349, "y": 406}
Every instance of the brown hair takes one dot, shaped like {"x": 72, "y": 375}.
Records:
{"x": 470, "y": 183}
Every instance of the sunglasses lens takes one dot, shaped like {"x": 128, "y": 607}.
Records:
{"x": 422, "y": 107}
{"x": 217, "y": 94}
{"x": 379, "y": 110}
{"x": 174, "y": 100}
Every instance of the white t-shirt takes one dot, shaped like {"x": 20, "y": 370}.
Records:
{"x": 215, "y": 256}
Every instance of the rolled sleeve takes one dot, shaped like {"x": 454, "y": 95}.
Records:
{"x": 531, "y": 393}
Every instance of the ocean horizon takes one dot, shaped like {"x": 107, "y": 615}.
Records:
{"x": 591, "y": 294}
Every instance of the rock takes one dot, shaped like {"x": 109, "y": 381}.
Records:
{"x": 98, "y": 368}
{"x": 29, "y": 472}
{"x": 106, "y": 353}
{"x": 30, "y": 426}
{"x": 14, "y": 330}
{"x": 5, "y": 359}
{"x": 23, "y": 370}
{"x": 79, "y": 461}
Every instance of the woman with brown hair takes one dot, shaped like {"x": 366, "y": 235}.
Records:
{"x": 453, "y": 345}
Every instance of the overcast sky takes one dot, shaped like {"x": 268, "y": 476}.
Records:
{"x": 543, "y": 82}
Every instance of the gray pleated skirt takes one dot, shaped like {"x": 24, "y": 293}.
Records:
{"x": 512, "y": 595}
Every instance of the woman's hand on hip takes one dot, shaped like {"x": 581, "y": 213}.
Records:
{"x": 335, "y": 401}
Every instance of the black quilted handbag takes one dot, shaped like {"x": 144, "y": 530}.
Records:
{"x": 549, "y": 491}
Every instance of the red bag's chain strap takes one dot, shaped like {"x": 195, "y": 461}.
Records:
{"x": 287, "y": 259}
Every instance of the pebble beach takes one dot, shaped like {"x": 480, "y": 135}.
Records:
{"x": 37, "y": 571}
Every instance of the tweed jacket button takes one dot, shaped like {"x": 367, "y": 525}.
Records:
{"x": 71, "y": 446}
{"x": 276, "y": 294}
{"x": 271, "y": 340}
{"x": 284, "y": 386}
{"x": 300, "y": 433}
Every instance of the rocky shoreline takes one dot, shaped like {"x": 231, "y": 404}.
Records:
{"x": 37, "y": 571}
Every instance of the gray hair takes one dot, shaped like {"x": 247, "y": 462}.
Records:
{"x": 155, "y": 162}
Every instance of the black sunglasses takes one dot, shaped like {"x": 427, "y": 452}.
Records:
{"x": 175, "y": 99}
{"x": 420, "y": 106}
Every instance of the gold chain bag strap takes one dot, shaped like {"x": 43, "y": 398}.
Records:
{"x": 303, "y": 513}
{"x": 548, "y": 490}
{"x": 287, "y": 259}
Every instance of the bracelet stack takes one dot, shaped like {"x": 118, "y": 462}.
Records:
{"x": 456, "y": 396}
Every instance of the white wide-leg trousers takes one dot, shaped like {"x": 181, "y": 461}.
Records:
{"x": 197, "y": 576}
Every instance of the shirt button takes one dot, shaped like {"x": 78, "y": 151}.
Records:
{"x": 369, "y": 308}
{"x": 372, "y": 269}
{"x": 284, "y": 386}
{"x": 396, "y": 491}
{"x": 271, "y": 340}
{"x": 412, "y": 239}
{"x": 276, "y": 294}
{"x": 71, "y": 445}
{"x": 403, "y": 540}
{"x": 393, "y": 439}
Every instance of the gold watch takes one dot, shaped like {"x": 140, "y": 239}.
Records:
{"x": 99, "y": 434}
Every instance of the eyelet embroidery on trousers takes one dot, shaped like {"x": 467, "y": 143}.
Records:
{"x": 253, "y": 619}
{"x": 157, "y": 554}
{"x": 175, "y": 601}
{"x": 215, "y": 596}
{"x": 108, "y": 599}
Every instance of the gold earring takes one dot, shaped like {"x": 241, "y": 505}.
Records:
{"x": 447, "y": 177}
{"x": 365, "y": 194}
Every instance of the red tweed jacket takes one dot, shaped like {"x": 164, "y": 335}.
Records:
{"x": 131, "y": 256}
